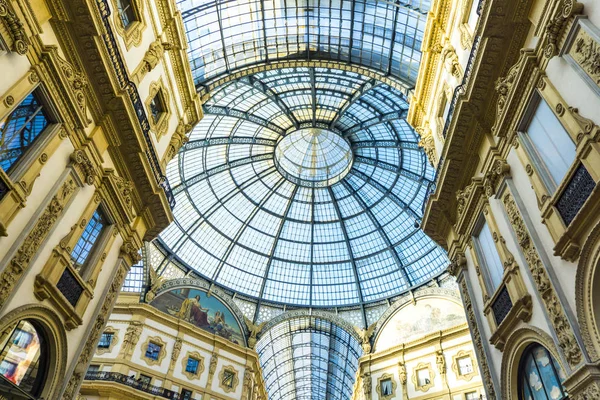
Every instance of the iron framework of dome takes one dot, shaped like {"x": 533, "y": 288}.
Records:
{"x": 244, "y": 223}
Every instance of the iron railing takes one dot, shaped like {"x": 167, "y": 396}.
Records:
{"x": 128, "y": 86}
{"x": 131, "y": 382}
{"x": 575, "y": 194}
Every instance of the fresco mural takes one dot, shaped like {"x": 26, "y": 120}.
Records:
{"x": 414, "y": 321}
{"x": 194, "y": 306}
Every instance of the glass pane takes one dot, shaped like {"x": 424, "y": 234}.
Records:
{"x": 153, "y": 351}
{"x": 86, "y": 242}
{"x": 542, "y": 380}
{"x": 553, "y": 144}
{"x": 105, "y": 340}
{"x": 19, "y": 130}
{"x": 490, "y": 255}
{"x": 20, "y": 357}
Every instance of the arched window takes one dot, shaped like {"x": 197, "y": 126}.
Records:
{"x": 23, "y": 360}
{"x": 540, "y": 375}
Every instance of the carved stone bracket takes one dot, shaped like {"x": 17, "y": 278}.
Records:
{"x": 85, "y": 164}
{"x": 562, "y": 14}
{"x": 20, "y": 44}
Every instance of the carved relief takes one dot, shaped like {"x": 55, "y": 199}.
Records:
{"x": 77, "y": 82}
{"x": 427, "y": 143}
{"x": 564, "y": 11}
{"x": 178, "y": 139}
{"x": 81, "y": 159}
{"x": 365, "y": 336}
{"x": 253, "y": 331}
{"x": 366, "y": 384}
{"x": 33, "y": 241}
{"x": 153, "y": 56}
{"x": 451, "y": 62}
{"x": 132, "y": 336}
{"x": 500, "y": 169}
{"x": 585, "y": 51}
{"x": 20, "y": 43}
{"x": 477, "y": 340}
{"x": 564, "y": 331}
{"x": 92, "y": 341}
{"x": 212, "y": 367}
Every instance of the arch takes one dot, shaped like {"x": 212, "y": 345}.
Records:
{"x": 209, "y": 291}
{"x": 586, "y": 299}
{"x": 516, "y": 345}
{"x": 339, "y": 321}
{"x": 52, "y": 328}
{"x": 207, "y": 88}
{"x": 425, "y": 293}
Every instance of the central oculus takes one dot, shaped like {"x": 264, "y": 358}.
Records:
{"x": 313, "y": 157}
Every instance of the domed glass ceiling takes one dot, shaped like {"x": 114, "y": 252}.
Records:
{"x": 313, "y": 157}
{"x": 347, "y": 237}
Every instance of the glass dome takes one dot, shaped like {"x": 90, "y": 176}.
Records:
{"x": 349, "y": 236}
{"x": 313, "y": 157}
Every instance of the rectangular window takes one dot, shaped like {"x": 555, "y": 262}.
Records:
{"x": 386, "y": 387}
{"x": 126, "y": 12}
{"x": 465, "y": 365}
{"x": 88, "y": 239}
{"x": 423, "y": 377}
{"x": 488, "y": 254}
{"x": 153, "y": 350}
{"x": 105, "y": 340}
{"x": 191, "y": 365}
{"x": 20, "y": 129}
{"x": 157, "y": 107}
{"x": 144, "y": 379}
{"x": 550, "y": 145}
{"x": 186, "y": 394}
{"x": 472, "y": 396}
{"x": 93, "y": 368}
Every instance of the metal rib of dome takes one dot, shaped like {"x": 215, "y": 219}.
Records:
{"x": 308, "y": 358}
{"x": 240, "y": 223}
{"x": 227, "y": 35}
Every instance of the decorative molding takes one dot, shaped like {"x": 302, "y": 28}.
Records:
{"x": 463, "y": 353}
{"x": 161, "y": 126}
{"x": 212, "y": 367}
{"x": 17, "y": 33}
{"x": 161, "y": 286}
{"x": 72, "y": 386}
{"x": 57, "y": 342}
{"x": 366, "y": 385}
{"x": 390, "y": 395}
{"x": 30, "y": 246}
{"x": 516, "y": 344}
{"x": 190, "y": 375}
{"x": 560, "y": 323}
{"x": 425, "y": 387}
{"x": 477, "y": 340}
{"x": 132, "y": 34}
{"x": 161, "y": 355}
{"x": 130, "y": 340}
{"x": 152, "y": 58}
{"x": 234, "y": 379}
{"x": 113, "y": 341}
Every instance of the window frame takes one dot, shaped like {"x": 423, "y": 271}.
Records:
{"x": 34, "y": 150}
{"x": 530, "y": 149}
{"x": 84, "y": 270}
{"x": 528, "y": 352}
{"x": 480, "y": 224}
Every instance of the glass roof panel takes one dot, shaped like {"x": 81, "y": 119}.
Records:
{"x": 308, "y": 358}
{"x": 227, "y": 35}
{"x": 267, "y": 208}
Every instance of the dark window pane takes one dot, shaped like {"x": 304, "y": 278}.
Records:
{"x": 126, "y": 12}
{"x": 19, "y": 130}
{"x": 157, "y": 107}
{"x": 542, "y": 376}
{"x": 105, "y": 340}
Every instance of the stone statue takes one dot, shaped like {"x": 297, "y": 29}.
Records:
{"x": 212, "y": 367}
{"x": 155, "y": 282}
{"x": 254, "y": 330}
{"x": 365, "y": 336}
{"x": 366, "y": 382}
{"x": 153, "y": 56}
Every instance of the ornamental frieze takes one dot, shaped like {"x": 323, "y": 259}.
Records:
{"x": 562, "y": 327}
